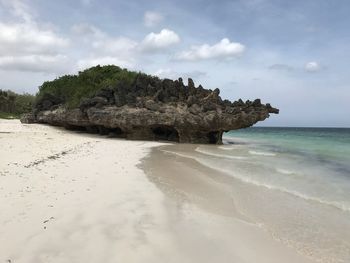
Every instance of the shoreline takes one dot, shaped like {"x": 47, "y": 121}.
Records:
{"x": 316, "y": 231}
{"x": 193, "y": 187}
{"x": 72, "y": 197}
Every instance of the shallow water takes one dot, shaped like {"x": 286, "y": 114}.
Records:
{"x": 311, "y": 163}
{"x": 293, "y": 182}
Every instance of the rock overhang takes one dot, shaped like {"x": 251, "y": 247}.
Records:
{"x": 154, "y": 109}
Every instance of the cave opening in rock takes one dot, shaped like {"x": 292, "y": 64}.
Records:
{"x": 214, "y": 137}
{"x": 75, "y": 128}
{"x": 92, "y": 129}
{"x": 167, "y": 133}
{"x": 116, "y": 132}
{"x": 102, "y": 130}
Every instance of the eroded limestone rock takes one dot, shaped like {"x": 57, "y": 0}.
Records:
{"x": 154, "y": 109}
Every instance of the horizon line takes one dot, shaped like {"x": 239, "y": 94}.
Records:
{"x": 319, "y": 127}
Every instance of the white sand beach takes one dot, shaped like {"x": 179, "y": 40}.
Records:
{"x": 74, "y": 197}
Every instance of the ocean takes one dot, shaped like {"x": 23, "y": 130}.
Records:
{"x": 310, "y": 163}
{"x": 292, "y": 182}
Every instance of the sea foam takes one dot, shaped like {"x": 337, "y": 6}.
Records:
{"x": 336, "y": 204}
{"x": 261, "y": 153}
{"x": 219, "y": 155}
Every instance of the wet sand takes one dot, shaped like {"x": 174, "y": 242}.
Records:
{"x": 202, "y": 203}
{"x": 71, "y": 197}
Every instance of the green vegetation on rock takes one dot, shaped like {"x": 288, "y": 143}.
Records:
{"x": 133, "y": 105}
{"x": 71, "y": 89}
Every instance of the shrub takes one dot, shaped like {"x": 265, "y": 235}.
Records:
{"x": 71, "y": 89}
{"x": 13, "y": 104}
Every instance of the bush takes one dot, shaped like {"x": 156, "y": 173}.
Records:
{"x": 13, "y": 104}
{"x": 71, "y": 89}
{"x": 9, "y": 116}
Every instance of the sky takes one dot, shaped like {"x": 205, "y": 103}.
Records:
{"x": 292, "y": 54}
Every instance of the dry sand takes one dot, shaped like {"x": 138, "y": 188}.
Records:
{"x": 70, "y": 197}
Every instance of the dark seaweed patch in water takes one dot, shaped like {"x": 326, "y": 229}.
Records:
{"x": 232, "y": 142}
{"x": 340, "y": 168}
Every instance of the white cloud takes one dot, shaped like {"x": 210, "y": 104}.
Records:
{"x": 118, "y": 45}
{"x": 27, "y": 38}
{"x": 107, "y": 60}
{"x": 312, "y": 67}
{"x": 104, "y": 49}
{"x": 195, "y": 74}
{"x": 166, "y": 73}
{"x": 221, "y": 50}
{"x": 35, "y": 63}
{"x": 159, "y": 41}
{"x": 151, "y": 19}
{"x": 172, "y": 74}
{"x": 25, "y": 46}
{"x": 102, "y": 43}
{"x": 18, "y": 9}
{"x": 84, "y": 29}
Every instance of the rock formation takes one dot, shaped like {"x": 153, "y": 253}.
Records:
{"x": 153, "y": 109}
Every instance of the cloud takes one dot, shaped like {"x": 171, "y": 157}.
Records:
{"x": 172, "y": 74}
{"x": 119, "y": 45}
{"x": 195, "y": 74}
{"x": 106, "y": 60}
{"x": 25, "y": 46}
{"x": 101, "y": 42}
{"x": 166, "y": 73}
{"x": 18, "y": 9}
{"x": 35, "y": 63}
{"x": 159, "y": 41}
{"x": 27, "y": 38}
{"x": 151, "y": 19}
{"x": 282, "y": 67}
{"x": 221, "y": 50}
{"x": 85, "y": 29}
{"x": 104, "y": 49}
{"x": 312, "y": 67}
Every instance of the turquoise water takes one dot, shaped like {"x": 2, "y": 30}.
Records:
{"x": 311, "y": 163}
{"x": 324, "y": 144}
{"x": 293, "y": 182}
